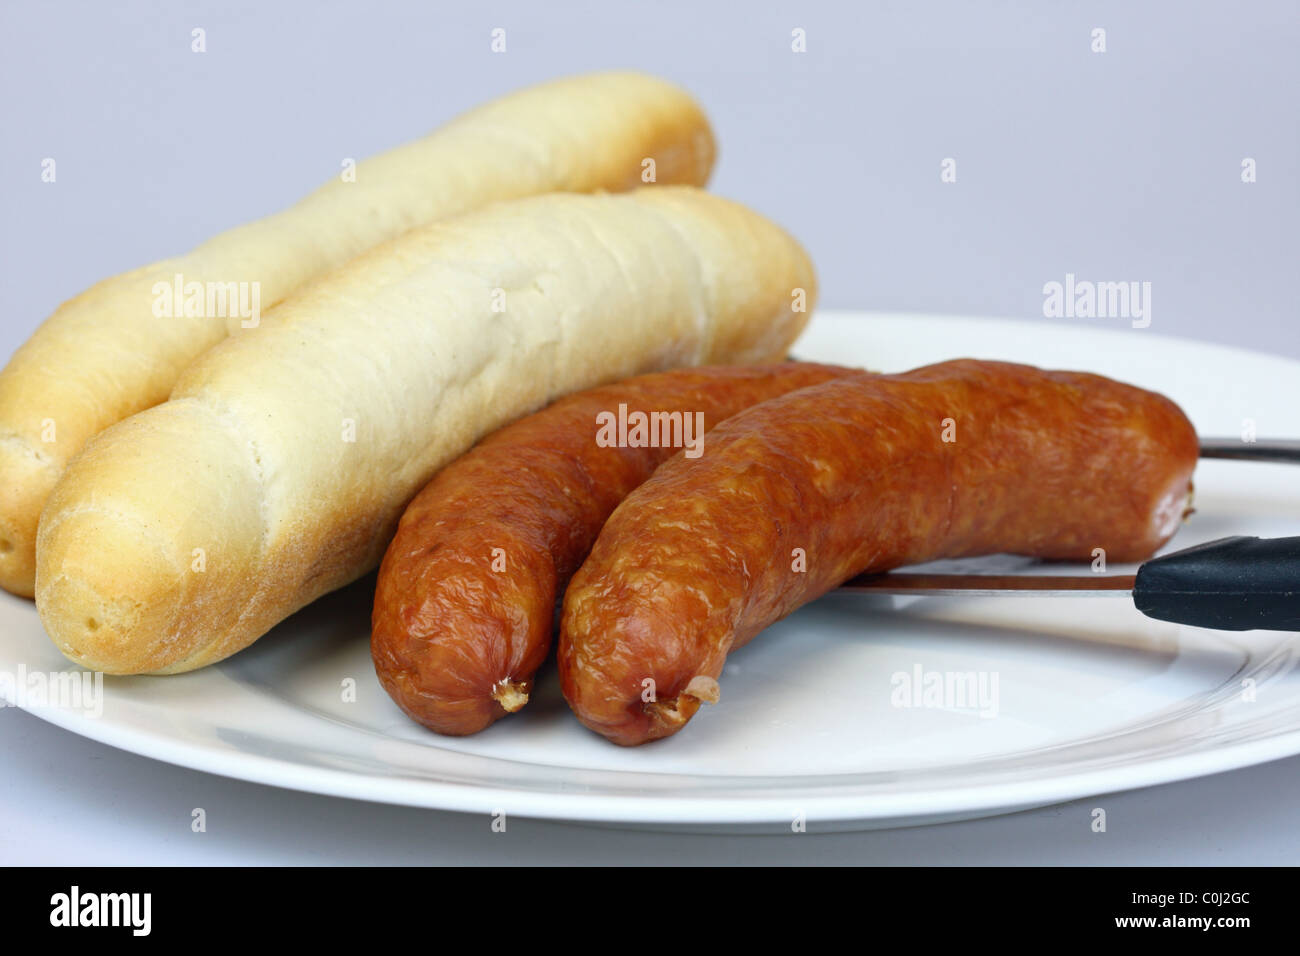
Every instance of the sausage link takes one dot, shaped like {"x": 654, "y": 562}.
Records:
{"x": 862, "y": 474}
{"x": 466, "y": 598}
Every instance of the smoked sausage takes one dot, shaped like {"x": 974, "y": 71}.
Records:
{"x": 861, "y": 474}
{"x": 465, "y": 603}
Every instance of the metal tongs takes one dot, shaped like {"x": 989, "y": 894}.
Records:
{"x": 1232, "y": 584}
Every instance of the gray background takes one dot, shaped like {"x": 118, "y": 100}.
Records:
{"x": 1116, "y": 166}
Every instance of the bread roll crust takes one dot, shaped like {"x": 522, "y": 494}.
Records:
{"x": 285, "y": 456}
{"x": 104, "y": 355}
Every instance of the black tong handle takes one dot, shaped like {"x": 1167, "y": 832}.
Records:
{"x": 1232, "y": 584}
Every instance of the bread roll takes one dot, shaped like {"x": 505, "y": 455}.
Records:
{"x": 278, "y": 469}
{"x": 106, "y": 354}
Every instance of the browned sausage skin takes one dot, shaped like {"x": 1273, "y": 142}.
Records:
{"x": 865, "y": 473}
{"x": 465, "y": 603}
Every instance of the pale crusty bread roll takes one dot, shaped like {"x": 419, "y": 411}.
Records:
{"x": 278, "y": 469}
{"x": 105, "y": 354}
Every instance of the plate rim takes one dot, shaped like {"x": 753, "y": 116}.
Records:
{"x": 576, "y": 807}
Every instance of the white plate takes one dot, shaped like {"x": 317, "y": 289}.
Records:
{"x": 1091, "y": 696}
